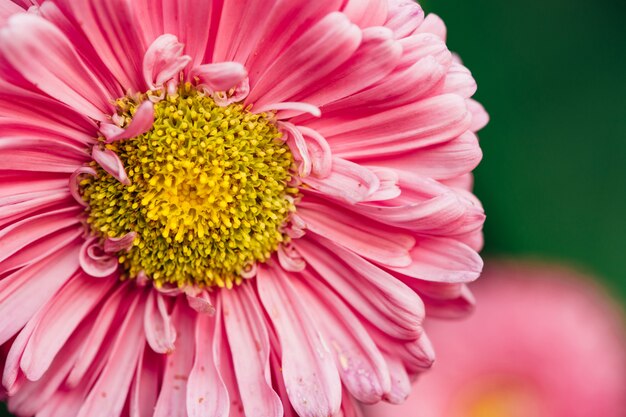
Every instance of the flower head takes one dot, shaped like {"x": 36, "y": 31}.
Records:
{"x": 544, "y": 341}
{"x": 224, "y": 207}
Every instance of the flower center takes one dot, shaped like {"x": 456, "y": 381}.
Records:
{"x": 209, "y": 192}
{"x": 501, "y": 397}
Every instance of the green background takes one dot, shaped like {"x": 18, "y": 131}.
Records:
{"x": 552, "y": 74}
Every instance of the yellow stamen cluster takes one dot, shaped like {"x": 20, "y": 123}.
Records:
{"x": 208, "y": 196}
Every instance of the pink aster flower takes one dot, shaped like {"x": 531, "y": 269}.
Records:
{"x": 544, "y": 341}
{"x": 228, "y": 207}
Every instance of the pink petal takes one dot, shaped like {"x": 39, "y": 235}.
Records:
{"x": 108, "y": 395}
{"x": 94, "y": 261}
{"x": 59, "y": 13}
{"x": 110, "y": 162}
{"x": 145, "y": 387}
{"x": 53, "y": 66}
{"x": 433, "y": 24}
{"x": 389, "y": 188}
{"x": 459, "y": 81}
{"x": 172, "y": 401}
{"x": 7, "y": 9}
{"x": 444, "y": 161}
{"x": 159, "y": 329}
{"x": 142, "y": 122}
{"x": 424, "y": 123}
{"x": 191, "y": 21}
{"x": 298, "y": 147}
{"x": 314, "y": 55}
{"x": 41, "y": 249}
{"x": 347, "y": 182}
{"x": 32, "y": 396}
{"x": 361, "y": 366}
{"x": 220, "y": 76}
{"x": 290, "y": 259}
{"x": 12, "y": 378}
{"x": 400, "y": 382}
{"x": 377, "y": 55}
{"x": 64, "y": 314}
{"x": 442, "y": 260}
{"x": 456, "y": 308}
{"x": 64, "y": 403}
{"x": 404, "y": 17}
{"x": 284, "y": 24}
{"x": 112, "y": 27}
{"x": 34, "y": 110}
{"x": 104, "y": 321}
{"x": 416, "y": 81}
{"x": 234, "y": 95}
{"x": 287, "y": 110}
{"x": 223, "y": 360}
{"x": 240, "y": 28}
{"x": 18, "y": 235}
{"x": 26, "y": 290}
{"x": 75, "y": 180}
{"x": 310, "y": 375}
{"x": 201, "y": 303}
{"x": 117, "y": 244}
{"x": 441, "y": 214}
{"x": 206, "y": 393}
{"x": 480, "y": 117}
{"x": 36, "y": 161}
{"x": 385, "y": 301}
{"x": 357, "y": 234}
{"x": 163, "y": 61}
{"x": 416, "y": 355}
{"x": 248, "y": 340}
{"x": 366, "y": 13}
{"x": 20, "y": 206}
{"x": 319, "y": 152}
{"x": 24, "y": 182}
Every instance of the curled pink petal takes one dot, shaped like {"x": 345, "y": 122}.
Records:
{"x": 290, "y": 259}
{"x": 170, "y": 290}
{"x": 110, "y": 162}
{"x": 249, "y": 271}
{"x": 290, "y": 109}
{"x": 111, "y": 130}
{"x": 142, "y": 121}
{"x": 349, "y": 182}
{"x": 296, "y": 227}
{"x": 164, "y": 59}
{"x": 298, "y": 147}
{"x": 201, "y": 303}
{"x": 388, "y": 180}
{"x": 94, "y": 261}
{"x": 75, "y": 180}
{"x": 117, "y": 244}
{"x": 142, "y": 279}
{"x": 158, "y": 326}
{"x": 234, "y": 95}
{"x": 319, "y": 151}
{"x": 220, "y": 76}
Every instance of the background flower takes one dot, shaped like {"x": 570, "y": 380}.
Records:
{"x": 544, "y": 341}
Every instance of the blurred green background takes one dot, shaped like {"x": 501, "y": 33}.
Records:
{"x": 552, "y": 74}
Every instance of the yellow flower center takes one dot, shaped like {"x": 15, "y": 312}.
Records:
{"x": 501, "y": 397}
{"x": 208, "y": 195}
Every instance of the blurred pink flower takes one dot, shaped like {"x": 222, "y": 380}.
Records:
{"x": 543, "y": 342}
{"x": 229, "y": 207}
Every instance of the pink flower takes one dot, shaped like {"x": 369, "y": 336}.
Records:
{"x": 543, "y": 342}
{"x": 229, "y": 207}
